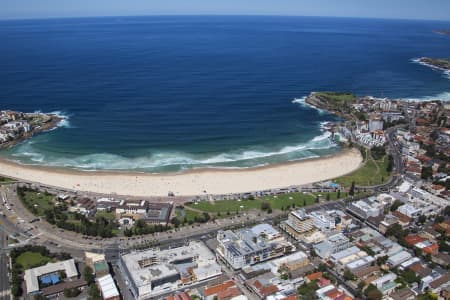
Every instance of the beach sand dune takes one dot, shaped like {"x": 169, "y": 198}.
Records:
{"x": 190, "y": 183}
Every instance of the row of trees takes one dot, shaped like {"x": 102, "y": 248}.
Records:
{"x": 141, "y": 227}
{"x": 100, "y": 226}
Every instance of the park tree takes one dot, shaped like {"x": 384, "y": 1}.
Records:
{"x": 396, "y": 204}
{"x": 352, "y": 189}
{"x": 175, "y": 222}
{"x": 88, "y": 275}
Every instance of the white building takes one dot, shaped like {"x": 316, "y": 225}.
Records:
{"x": 132, "y": 207}
{"x": 375, "y": 124}
{"x": 366, "y": 208}
{"x": 154, "y": 272}
{"x": 333, "y": 244}
{"x": 386, "y": 284}
{"x": 398, "y": 258}
{"x": 251, "y": 246}
{"x": 322, "y": 220}
{"x": 410, "y": 211}
{"x": 32, "y": 276}
{"x": 107, "y": 287}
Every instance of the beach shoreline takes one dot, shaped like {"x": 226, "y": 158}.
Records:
{"x": 194, "y": 182}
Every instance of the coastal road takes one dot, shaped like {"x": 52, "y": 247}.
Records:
{"x": 398, "y": 167}
{"x": 4, "y": 280}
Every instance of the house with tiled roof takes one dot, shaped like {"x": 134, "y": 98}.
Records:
{"x": 440, "y": 283}
{"x": 214, "y": 290}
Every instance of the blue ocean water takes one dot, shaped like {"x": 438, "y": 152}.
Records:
{"x": 171, "y": 93}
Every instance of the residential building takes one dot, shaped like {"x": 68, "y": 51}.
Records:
{"x": 322, "y": 220}
{"x": 333, "y": 244}
{"x": 250, "y": 246}
{"x": 386, "y": 284}
{"x": 297, "y": 224}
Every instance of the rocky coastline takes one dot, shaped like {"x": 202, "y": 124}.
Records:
{"x": 16, "y": 127}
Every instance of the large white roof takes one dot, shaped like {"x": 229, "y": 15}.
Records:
{"x": 107, "y": 287}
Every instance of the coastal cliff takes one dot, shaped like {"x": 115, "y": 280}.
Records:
{"x": 335, "y": 102}
{"x": 440, "y": 63}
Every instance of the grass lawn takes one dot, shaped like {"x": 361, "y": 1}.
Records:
{"x": 107, "y": 215}
{"x": 284, "y": 200}
{"x": 333, "y": 195}
{"x": 39, "y": 201}
{"x": 32, "y": 260}
{"x": 187, "y": 214}
{"x": 276, "y": 202}
{"x": 337, "y": 97}
{"x": 373, "y": 172}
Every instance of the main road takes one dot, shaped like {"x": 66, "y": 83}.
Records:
{"x": 4, "y": 279}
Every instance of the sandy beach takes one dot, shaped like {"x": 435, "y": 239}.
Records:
{"x": 190, "y": 183}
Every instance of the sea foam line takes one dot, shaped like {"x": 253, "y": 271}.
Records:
{"x": 445, "y": 72}
{"x": 117, "y": 162}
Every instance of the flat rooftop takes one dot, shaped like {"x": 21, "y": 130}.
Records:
{"x": 147, "y": 266}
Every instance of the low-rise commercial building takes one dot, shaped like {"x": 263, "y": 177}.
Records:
{"x": 250, "y": 246}
{"x": 366, "y": 208}
{"x": 410, "y": 211}
{"x": 153, "y": 272}
{"x": 49, "y": 274}
{"x": 108, "y": 288}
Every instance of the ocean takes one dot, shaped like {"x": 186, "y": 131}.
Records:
{"x": 170, "y": 93}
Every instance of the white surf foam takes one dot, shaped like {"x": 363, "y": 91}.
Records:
{"x": 302, "y": 102}
{"x": 110, "y": 161}
{"x": 445, "y": 96}
{"x": 64, "y": 119}
{"x": 445, "y": 72}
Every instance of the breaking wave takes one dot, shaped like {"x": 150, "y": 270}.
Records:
{"x": 302, "y": 102}
{"x": 446, "y": 73}
{"x": 65, "y": 119}
{"x": 176, "y": 160}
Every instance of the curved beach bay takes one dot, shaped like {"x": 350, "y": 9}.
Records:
{"x": 190, "y": 183}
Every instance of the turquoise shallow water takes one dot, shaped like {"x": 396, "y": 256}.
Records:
{"x": 170, "y": 93}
